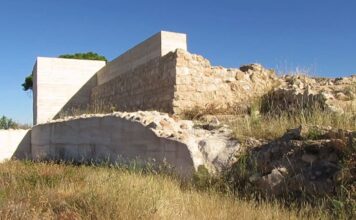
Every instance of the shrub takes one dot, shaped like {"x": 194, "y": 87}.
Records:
{"x": 84, "y": 56}
{"x": 7, "y": 123}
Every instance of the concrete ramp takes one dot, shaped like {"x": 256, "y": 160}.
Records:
{"x": 107, "y": 139}
{"x": 122, "y": 137}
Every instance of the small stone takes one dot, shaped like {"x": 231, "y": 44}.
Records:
{"x": 283, "y": 171}
{"x": 165, "y": 124}
{"x": 152, "y": 125}
{"x": 309, "y": 158}
{"x": 341, "y": 96}
{"x": 318, "y": 172}
{"x": 254, "y": 178}
{"x": 332, "y": 158}
{"x": 239, "y": 75}
{"x": 338, "y": 144}
{"x": 184, "y": 126}
{"x": 274, "y": 178}
{"x": 214, "y": 121}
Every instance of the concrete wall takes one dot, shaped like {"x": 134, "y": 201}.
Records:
{"x": 138, "y": 79}
{"x": 107, "y": 138}
{"x": 58, "y": 81}
{"x": 156, "y": 46}
{"x": 15, "y": 144}
{"x": 148, "y": 86}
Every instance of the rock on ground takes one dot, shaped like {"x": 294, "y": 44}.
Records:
{"x": 306, "y": 160}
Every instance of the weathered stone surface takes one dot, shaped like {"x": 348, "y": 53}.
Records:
{"x": 142, "y": 136}
{"x": 296, "y": 92}
{"x": 295, "y": 164}
{"x": 198, "y": 84}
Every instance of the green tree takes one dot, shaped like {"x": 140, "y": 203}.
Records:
{"x": 7, "y": 123}
{"x": 27, "y": 85}
{"x": 84, "y": 56}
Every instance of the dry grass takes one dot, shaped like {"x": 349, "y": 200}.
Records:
{"x": 56, "y": 191}
{"x": 270, "y": 126}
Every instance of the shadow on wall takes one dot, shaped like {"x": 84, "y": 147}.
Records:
{"x": 149, "y": 86}
{"x": 108, "y": 139}
{"x": 79, "y": 103}
{"x": 15, "y": 144}
{"x": 23, "y": 150}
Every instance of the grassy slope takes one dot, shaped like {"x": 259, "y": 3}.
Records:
{"x": 271, "y": 126}
{"x": 32, "y": 191}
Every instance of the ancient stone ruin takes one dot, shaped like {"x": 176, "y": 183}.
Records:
{"x": 129, "y": 108}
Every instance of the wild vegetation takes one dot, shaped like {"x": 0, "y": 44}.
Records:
{"x": 255, "y": 124}
{"x": 271, "y": 126}
{"x": 58, "y": 191}
{"x": 84, "y": 56}
{"x": 250, "y": 122}
{"x": 8, "y": 123}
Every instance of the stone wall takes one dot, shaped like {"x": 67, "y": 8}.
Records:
{"x": 15, "y": 144}
{"x": 200, "y": 84}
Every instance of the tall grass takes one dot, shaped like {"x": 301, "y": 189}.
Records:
{"x": 249, "y": 122}
{"x": 270, "y": 126}
{"x": 57, "y": 191}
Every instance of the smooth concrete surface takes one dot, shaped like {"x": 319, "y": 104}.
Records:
{"x": 171, "y": 41}
{"x": 15, "y": 144}
{"x": 59, "y": 80}
{"x": 156, "y": 46}
{"x": 148, "y": 86}
{"x": 107, "y": 139}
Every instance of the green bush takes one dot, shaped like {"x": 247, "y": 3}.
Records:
{"x": 28, "y": 83}
{"x": 84, "y": 56}
{"x": 7, "y": 123}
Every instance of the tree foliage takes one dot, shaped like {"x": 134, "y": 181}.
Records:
{"x": 7, "y": 123}
{"x": 28, "y": 84}
{"x": 84, "y": 56}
